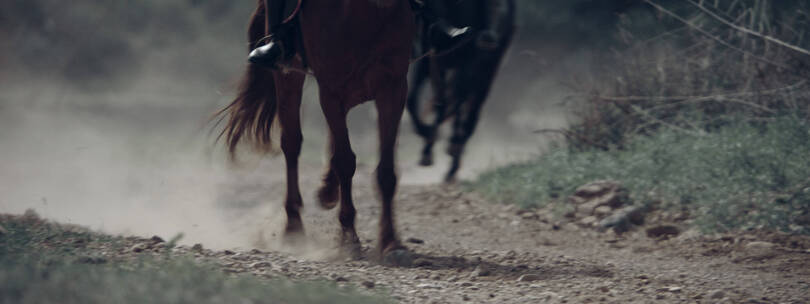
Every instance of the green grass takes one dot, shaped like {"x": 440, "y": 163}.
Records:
{"x": 47, "y": 263}
{"x": 741, "y": 176}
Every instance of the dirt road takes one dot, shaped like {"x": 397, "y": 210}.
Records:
{"x": 469, "y": 250}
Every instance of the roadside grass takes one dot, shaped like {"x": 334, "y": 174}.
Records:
{"x": 42, "y": 262}
{"x": 740, "y": 176}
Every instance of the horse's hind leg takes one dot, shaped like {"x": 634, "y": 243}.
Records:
{"x": 328, "y": 193}
{"x": 420, "y": 73}
{"x": 289, "y": 91}
{"x": 472, "y": 93}
{"x": 390, "y": 105}
{"x": 343, "y": 162}
{"x": 439, "y": 107}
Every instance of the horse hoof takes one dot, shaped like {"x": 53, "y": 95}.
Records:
{"x": 328, "y": 197}
{"x": 401, "y": 257}
{"x": 426, "y": 161}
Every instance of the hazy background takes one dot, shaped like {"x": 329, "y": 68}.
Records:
{"x": 104, "y": 107}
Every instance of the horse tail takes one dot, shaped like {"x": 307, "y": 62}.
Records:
{"x": 251, "y": 114}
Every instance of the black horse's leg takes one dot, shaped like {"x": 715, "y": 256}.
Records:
{"x": 472, "y": 91}
{"x": 437, "y": 75}
{"x": 420, "y": 73}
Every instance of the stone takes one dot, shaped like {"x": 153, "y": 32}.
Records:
{"x": 156, "y": 239}
{"x": 758, "y": 245}
{"x": 197, "y": 247}
{"x": 528, "y": 278}
{"x": 622, "y": 220}
{"x": 262, "y": 264}
{"x": 663, "y": 231}
{"x": 600, "y": 193}
{"x": 137, "y": 248}
{"x": 368, "y": 284}
{"x": 602, "y": 211}
{"x": 717, "y": 294}
{"x": 415, "y": 241}
{"x": 589, "y": 221}
{"x": 481, "y": 272}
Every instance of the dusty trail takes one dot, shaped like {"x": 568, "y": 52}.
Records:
{"x": 468, "y": 250}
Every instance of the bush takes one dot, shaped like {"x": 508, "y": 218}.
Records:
{"x": 687, "y": 70}
{"x": 740, "y": 176}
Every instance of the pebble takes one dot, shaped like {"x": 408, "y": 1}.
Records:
{"x": 137, "y": 248}
{"x": 717, "y": 294}
{"x": 481, "y": 272}
{"x": 528, "y": 278}
{"x": 260, "y": 265}
{"x": 759, "y": 245}
{"x": 415, "y": 241}
{"x": 197, "y": 247}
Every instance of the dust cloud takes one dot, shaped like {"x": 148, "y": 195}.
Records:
{"x": 126, "y": 147}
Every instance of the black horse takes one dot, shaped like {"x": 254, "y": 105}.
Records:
{"x": 461, "y": 77}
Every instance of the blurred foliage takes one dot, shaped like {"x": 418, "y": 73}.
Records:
{"x": 659, "y": 76}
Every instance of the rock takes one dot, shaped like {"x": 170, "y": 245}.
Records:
{"x": 258, "y": 265}
{"x": 156, "y": 239}
{"x": 600, "y": 193}
{"x": 255, "y": 251}
{"x": 415, "y": 241}
{"x": 673, "y": 289}
{"x": 589, "y": 221}
{"x": 137, "y": 247}
{"x": 527, "y": 215}
{"x": 717, "y": 294}
{"x": 341, "y": 279}
{"x": 30, "y": 215}
{"x": 368, "y": 284}
{"x": 227, "y": 252}
{"x": 759, "y": 245}
{"x": 663, "y": 231}
{"x": 623, "y": 219}
{"x": 481, "y": 272}
{"x": 197, "y": 247}
{"x": 528, "y": 278}
{"x": 602, "y": 211}
{"x": 428, "y": 286}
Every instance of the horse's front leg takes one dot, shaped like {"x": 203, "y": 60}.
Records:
{"x": 342, "y": 165}
{"x": 288, "y": 93}
{"x": 390, "y": 105}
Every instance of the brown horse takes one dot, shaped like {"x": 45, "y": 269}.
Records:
{"x": 358, "y": 50}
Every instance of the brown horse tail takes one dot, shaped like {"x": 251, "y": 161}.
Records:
{"x": 251, "y": 114}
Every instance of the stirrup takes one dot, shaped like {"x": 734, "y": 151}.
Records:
{"x": 267, "y": 55}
